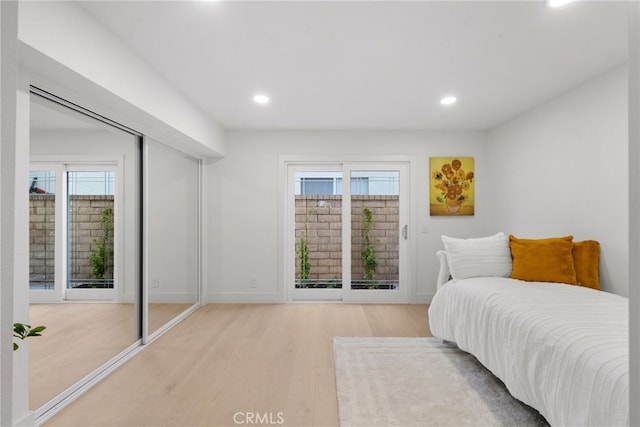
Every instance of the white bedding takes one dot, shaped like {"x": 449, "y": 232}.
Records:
{"x": 561, "y": 349}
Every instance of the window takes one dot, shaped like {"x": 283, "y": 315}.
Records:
{"x": 328, "y": 184}
{"x": 317, "y": 186}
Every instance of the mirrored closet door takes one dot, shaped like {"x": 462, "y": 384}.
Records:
{"x": 114, "y": 236}
{"x": 172, "y": 230}
{"x": 84, "y": 221}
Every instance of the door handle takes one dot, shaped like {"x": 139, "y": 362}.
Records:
{"x": 404, "y": 232}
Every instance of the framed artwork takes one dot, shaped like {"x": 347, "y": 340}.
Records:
{"x": 451, "y": 186}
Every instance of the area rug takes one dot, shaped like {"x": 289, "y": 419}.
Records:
{"x": 420, "y": 382}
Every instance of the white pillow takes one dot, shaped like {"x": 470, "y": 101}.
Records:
{"x": 478, "y": 257}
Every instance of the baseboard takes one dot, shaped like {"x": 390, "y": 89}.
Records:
{"x": 29, "y": 420}
{"x": 242, "y": 297}
{"x": 271, "y": 298}
{"x": 164, "y": 297}
{"x": 172, "y": 297}
{"x": 424, "y": 298}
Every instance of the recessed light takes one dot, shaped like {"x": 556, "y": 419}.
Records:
{"x": 448, "y": 100}
{"x": 558, "y": 3}
{"x": 261, "y": 99}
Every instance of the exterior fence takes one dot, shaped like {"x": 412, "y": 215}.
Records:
{"x": 319, "y": 219}
{"x": 42, "y": 239}
{"x": 85, "y": 215}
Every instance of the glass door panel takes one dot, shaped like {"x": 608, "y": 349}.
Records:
{"x": 318, "y": 234}
{"x": 42, "y": 230}
{"x": 91, "y": 232}
{"x": 375, "y": 230}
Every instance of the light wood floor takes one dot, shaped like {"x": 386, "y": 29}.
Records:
{"x": 232, "y": 358}
{"x": 79, "y": 338}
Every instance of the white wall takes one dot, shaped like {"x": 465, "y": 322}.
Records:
{"x": 245, "y": 239}
{"x": 13, "y": 272}
{"x": 562, "y": 169}
{"x": 21, "y": 255}
{"x": 634, "y": 212}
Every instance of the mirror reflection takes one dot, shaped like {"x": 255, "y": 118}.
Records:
{"x": 83, "y": 221}
{"x": 173, "y": 230}
{"x": 85, "y": 243}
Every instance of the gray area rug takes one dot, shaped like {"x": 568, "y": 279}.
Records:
{"x": 420, "y": 382}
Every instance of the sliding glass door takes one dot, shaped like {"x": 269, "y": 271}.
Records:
{"x": 357, "y": 259}
{"x": 72, "y": 231}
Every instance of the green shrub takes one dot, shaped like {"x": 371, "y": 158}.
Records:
{"x": 368, "y": 252}
{"x": 102, "y": 254}
{"x": 302, "y": 251}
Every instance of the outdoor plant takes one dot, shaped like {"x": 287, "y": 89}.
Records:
{"x": 302, "y": 251}
{"x": 333, "y": 283}
{"x": 23, "y": 331}
{"x": 103, "y": 252}
{"x": 368, "y": 252}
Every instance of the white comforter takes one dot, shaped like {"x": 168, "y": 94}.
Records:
{"x": 561, "y": 349}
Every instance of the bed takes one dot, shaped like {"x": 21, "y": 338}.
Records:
{"x": 560, "y": 348}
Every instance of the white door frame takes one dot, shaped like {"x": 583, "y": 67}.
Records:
{"x": 61, "y": 165}
{"x": 288, "y": 166}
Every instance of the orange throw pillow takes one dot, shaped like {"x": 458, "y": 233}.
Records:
{"x": 586, "y": 260}
{"x": 543, "y": 260}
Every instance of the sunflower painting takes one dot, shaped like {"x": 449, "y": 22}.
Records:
{"x": 451, "y": 186}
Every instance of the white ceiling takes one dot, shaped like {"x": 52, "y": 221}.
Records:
{"x": 370, "y": 65}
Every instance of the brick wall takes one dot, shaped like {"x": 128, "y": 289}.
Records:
{"x": 324, "y": 234}
{"x": 384, "y": 232}
{"x": 85, "y": 225}
{"x": 42, "y": 237}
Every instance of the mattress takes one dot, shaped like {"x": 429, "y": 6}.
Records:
{"x": 561, "y": 349}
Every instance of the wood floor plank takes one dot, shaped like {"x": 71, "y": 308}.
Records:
{"x": 325, "y": 399}
{"x": 69, "y": 348}
{"x": 239, "y": 359}
{"x": 79, "y": 338}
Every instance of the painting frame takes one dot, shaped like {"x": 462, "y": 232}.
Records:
{"x": 452, "y": 186}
